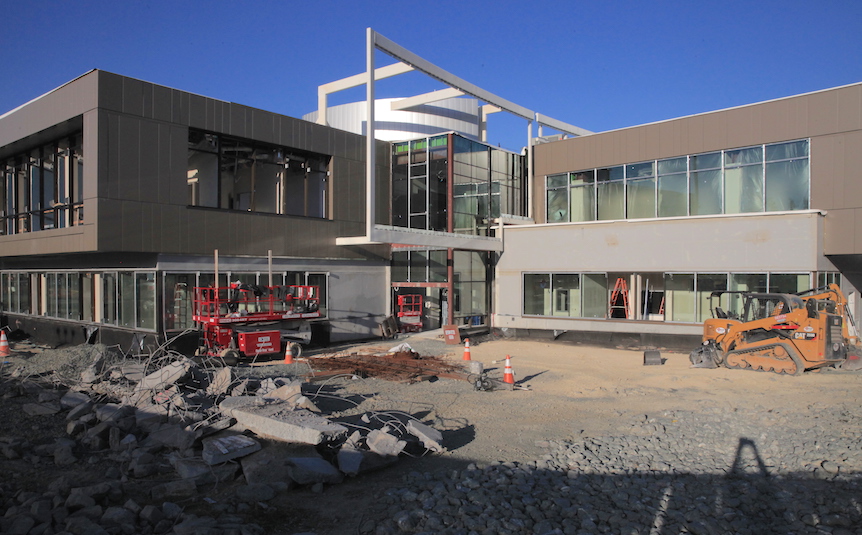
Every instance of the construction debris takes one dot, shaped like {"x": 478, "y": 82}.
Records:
{"x": 281, "y": 420}
{"x": 404, "y": 366}
{"x": 181, "y": 425}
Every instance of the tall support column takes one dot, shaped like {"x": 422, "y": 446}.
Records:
{"x": 450, "y": 227}
{"x": 529, "y": 192}
{"x": 370, "y": 153}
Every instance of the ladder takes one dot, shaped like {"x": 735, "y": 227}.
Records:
{"x": 619, "y": 300}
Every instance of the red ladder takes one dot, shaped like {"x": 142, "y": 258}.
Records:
{"x": 621, "y": 290}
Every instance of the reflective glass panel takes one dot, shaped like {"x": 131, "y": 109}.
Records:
{"x": 583, "y": 203}
{"x": 673, "y": 165}
{"x": 787, "y": 185}
{"x": 566, "y": 295}
{"x": 611, "y": 200}
{"x": 784, "y": 151}
{"x": 710, "y": 160}
{"x": 789, "y": 283}
{"x": 743, "y": 189}
{"x": 594, "y": 290}
{"x": 537, "y": 294}
{"x": 558, "y": 210}
{"x": 705, "y": 192}
{"x": 639, "y": 170}
{"x": 679, "y": 297}
{"x": 640, "y": 198}
{"x": 743, "y": 156}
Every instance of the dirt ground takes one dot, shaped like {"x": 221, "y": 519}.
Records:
{"x": 573, "y": 391}
{"x": 568, "y": 391}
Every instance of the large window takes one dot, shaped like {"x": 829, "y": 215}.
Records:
{"x": 485, "y": 182}
{"x": 610, "y": 193}
{"x": 641, "y": 190}
{"x": 676, "y": 297}
{"x": 235, "y": 174}
{"x": 574, "y": 295}
{"x": 767, "y": 178}
{"x": 43, "y": 187}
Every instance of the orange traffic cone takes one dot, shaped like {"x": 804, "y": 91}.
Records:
{"x": 4, "y": 345}
{"x": 508, "y": 376}
{"x": 288, "y": 355}
{"x": 467, "y": 349}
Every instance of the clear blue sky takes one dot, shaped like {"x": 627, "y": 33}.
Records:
{"x": 598, "y": 64}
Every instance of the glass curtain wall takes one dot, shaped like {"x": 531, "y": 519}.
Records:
{"x": 419, "y": 183}
{"x": 641, "y": 194}
{"x": 471, "y": 197}
{"x": 234, "y": 174}
{"x": 470, "y": 286}
{"x": 672, "y": 187}
{"x": 770, "y": 178}
{"x": 677, "y": 297}
{"x": 743, "y": 180}
{"x": 43, "y": 187}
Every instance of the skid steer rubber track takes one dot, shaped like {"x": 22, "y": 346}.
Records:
{"x": 778, "y": 358}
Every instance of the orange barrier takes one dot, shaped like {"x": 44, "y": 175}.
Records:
{"x": 508, "y": 376}
{"x": 4, "y": 345}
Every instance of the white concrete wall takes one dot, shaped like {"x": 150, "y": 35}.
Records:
{"x": 783, "y": 242}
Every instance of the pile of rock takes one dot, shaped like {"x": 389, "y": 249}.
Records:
{"x": 705, "y": 472}
{"x": 177, "y": 425}
{"x": 101, "y": 509}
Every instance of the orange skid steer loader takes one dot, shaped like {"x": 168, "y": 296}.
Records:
{"x": 779, "y": 333}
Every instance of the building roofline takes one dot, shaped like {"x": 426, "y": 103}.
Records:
{"x": 809, "y": 93}
{"x": 43, "y": 95}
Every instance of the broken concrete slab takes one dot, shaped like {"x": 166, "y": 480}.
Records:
{"x": 90, "y": 375}
{"x": 205, "y": 428}
{"x": 383, "y": 443}
{"x": 112, "y": 412}
{"x": 354, "y": 461}
{"x": 170, "y": 435}
{"x": 133, "y": 372}
{"x": 139, "y": 400}
{"x": 203, "y": 473}
{"x": 150, "y": 418}
{"x": 222, "y": 449}
{"x": 240, "y": 389}
{"x": 287, "y": 392}
{"x": 270, "y": 466}
{"x": 303, "y": 402}
{"x": 279, "y": 420}
{"x": 165, "y": 376}
{"x": 41, "y": 409}
{"x": 80, "y": 410}
{"x": 431, "y": 438}
{"x": 72, "y": 399}
{"x": 310, "y": 470}
{"x": 221, "y": 381}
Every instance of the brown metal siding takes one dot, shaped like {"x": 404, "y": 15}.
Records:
{"x": 831, "y": 118}
{"x": 146, "y": 170}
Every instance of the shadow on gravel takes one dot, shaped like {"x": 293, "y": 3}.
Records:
{"x": 526, "y": 498}
{"x": 530, "y": 377}
{"x": 458, "y": 438}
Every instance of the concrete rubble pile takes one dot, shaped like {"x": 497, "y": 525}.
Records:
{"x": 182, "y": 426}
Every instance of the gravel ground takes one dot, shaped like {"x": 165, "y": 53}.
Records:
{"x": 683, "y": 472}
{"x": 595, "y": 442}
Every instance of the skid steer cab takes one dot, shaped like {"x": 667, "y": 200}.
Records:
{"x": 247, "y": 321}
{"x": 778, "y": 332}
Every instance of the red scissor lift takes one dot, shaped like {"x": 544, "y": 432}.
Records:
{"x": 244, "y": 320}
{"x": 410, "y": 313}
